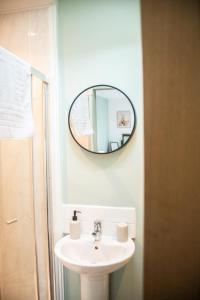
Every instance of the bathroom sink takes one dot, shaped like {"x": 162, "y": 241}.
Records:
{"x": 94, "y": 260}
{"x": 87, "y": 256}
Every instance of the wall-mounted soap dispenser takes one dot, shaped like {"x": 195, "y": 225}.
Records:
{"x": 74, "y": 226}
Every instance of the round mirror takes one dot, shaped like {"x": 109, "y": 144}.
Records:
{"x": 102, "y": 119}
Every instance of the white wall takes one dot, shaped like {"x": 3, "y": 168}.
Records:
{"x": 100, "y": 43}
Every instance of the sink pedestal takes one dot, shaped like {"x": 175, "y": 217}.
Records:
{"x": 94, "y": 287}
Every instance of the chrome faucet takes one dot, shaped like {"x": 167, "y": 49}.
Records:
{"x": 97, "y": 230}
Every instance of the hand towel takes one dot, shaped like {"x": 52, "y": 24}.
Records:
{"x": 16, "y": 118}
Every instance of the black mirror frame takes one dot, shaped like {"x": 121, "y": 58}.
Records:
{"x": 134, "y": 112}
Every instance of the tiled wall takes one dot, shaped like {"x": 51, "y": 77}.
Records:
{"x": 109, "y": 216}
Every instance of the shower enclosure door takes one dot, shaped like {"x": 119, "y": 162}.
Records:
{"x": 24, "y": 259}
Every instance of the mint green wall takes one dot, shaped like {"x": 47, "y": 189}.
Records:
{"x": 99, "y": 41}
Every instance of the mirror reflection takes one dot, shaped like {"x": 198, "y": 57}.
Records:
{"x": 102, "y": 119}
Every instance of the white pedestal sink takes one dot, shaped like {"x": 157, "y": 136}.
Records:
{"x": 94, "y": 260}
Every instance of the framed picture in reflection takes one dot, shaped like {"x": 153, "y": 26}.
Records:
{"x": 123, "y": 119}
{"x": 114, "y": 146}
{"x": 125, "y": 138}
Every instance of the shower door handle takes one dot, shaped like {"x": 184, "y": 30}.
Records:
{"x": 12, "y": 221}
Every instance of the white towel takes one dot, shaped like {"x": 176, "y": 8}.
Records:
{"x": 16, "y": 118}
{"x": 80, "y": 116}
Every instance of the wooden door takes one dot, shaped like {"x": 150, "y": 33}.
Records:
{"x": 171, "y": 47}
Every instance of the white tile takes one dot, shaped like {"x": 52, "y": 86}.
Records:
{"x": 109, "y": 216}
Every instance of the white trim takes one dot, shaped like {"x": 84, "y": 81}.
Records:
{"x": 39, "y": 74}
{"x": 55, "y": 228}
{"x": 40, "y": 216}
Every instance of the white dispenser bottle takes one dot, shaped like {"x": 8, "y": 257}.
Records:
{"x": 74, "y": 226}
{"x": 122, "y": 232}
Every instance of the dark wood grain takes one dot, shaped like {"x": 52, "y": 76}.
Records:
{"x": 171, "y": 49}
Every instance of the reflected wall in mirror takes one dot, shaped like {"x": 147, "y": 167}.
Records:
{"x": 102, "y": 119}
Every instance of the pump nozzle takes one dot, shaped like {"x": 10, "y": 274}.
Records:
{"x": 75, "y": 218}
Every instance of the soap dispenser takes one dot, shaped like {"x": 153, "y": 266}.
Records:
{"x": 74, "y": 226}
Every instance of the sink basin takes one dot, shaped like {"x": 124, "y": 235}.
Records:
{"x": 94, "y": 260}
{"x": 88, "y": 256}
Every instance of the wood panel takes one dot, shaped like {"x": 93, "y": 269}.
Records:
{"x": 24, "y": 244}
{"x": 18, "y": 5}
{"x": 14, "y": 36}
{"x": 171, "y": 48}
{"x": 18, "y": 257}
{"x": 25, "y": 34}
